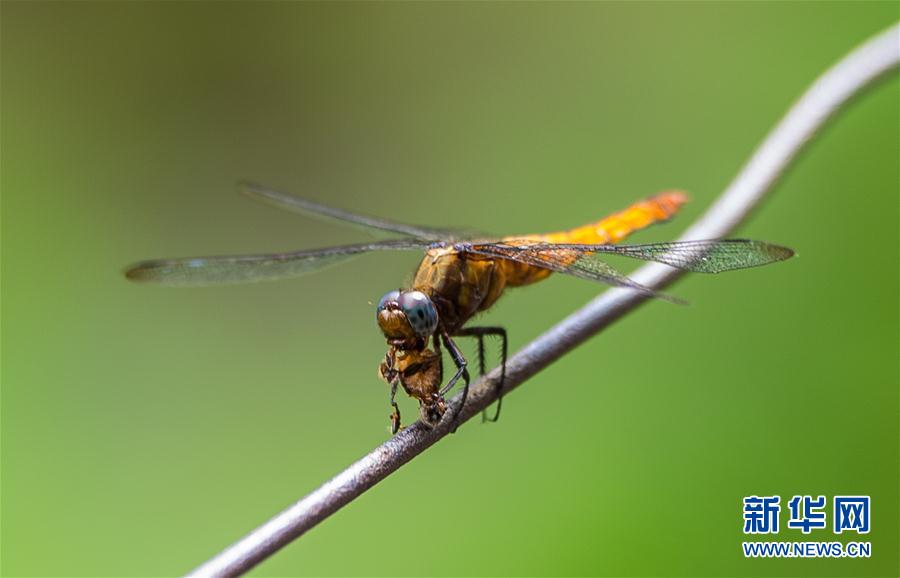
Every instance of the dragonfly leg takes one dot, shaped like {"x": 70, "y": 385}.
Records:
{"x": 392, "y": 376}
{"x": 395, "y": 415}
{"x": 461, "y": 372}
{"x": 480, "y": 333}
{"x": 437, "y": 342}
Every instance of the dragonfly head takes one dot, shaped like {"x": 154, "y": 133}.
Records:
{"x": 406, "y": 317}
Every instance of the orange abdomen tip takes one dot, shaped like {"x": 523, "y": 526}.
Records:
{"x": 655, "y": 209}
{"x": 614, "y": 228}
{"x": 669, "y": 201}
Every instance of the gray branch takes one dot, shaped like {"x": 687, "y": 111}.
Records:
{"x": 878, "y": 56}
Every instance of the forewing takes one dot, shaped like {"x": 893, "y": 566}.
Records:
{"x": 307, "y": 207}
{"x": 568, "y": 259}
{"x": 712, "y": 256}
{"x": 226, "y": 269}
{"x": 585, "y": 261}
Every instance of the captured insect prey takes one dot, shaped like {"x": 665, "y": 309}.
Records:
{"x": 461, "y": 275}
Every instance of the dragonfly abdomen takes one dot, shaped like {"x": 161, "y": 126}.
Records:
{"x": 615, "y": 227}
{"x": 608, "y": 230}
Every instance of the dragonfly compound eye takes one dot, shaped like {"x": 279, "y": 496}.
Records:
{"x": 420, "y": 312}
{"x": 390, "y": 296}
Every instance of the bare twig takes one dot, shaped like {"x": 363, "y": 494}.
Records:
{"x": 833, "y": 89}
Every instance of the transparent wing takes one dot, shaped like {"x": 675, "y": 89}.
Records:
{"x": 563, "y": 260}
{"x": 371, "y": 224}
{"x": 227, "y": 269}
{"x": 712, "y": 256}
{"x": 585, "y": 261}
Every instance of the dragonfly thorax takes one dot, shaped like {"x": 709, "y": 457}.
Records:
{"x": 406, "y": 316}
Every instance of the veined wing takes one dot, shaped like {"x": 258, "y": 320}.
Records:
{"x": 713, "y": 256}
{"x": 307, "y": 207}
{"x": 227, "y": 269}
{"x": 562, "y": 258}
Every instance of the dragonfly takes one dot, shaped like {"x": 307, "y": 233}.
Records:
{"x": 461, "y": 275}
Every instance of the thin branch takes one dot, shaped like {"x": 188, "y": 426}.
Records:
{"x": 878, "y": 56}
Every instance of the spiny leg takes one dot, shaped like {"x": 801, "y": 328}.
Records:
{"x": 395, "y": 415}
{"x": 504, "y": 350}
{"x": 480, "y": 333}
{"x": 461, "y": 371}
{"x": 481, "y": 369}
{"x": 481, "y": 354}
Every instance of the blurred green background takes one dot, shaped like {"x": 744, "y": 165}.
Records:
{"x": 145, "y": 428}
